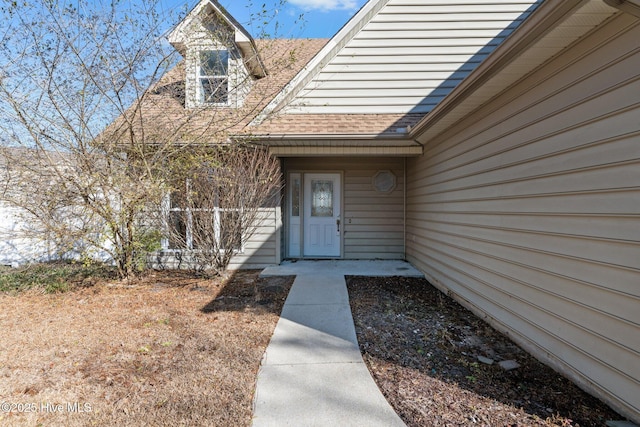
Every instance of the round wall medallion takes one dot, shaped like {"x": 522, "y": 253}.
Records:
{"x": 384, "y": 181}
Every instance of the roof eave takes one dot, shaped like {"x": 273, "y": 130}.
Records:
{"x": 401, "y": 136}
{"x": 251, "y": 57}
{"x": 287, "y": 145}
{"x": 631, "y": 7}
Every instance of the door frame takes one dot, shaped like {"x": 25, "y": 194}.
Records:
{"x": 299, "y": 222}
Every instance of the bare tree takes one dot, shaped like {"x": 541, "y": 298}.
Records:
{"x": 219, "y": 201}
{"x": 86, "y": 90}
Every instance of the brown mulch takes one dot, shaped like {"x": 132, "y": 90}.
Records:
{"x": 422, "y": 349}
{"x": 168, "y": 349}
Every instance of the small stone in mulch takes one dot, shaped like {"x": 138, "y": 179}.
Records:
{"x": 509, "y": 365}
{"x": 485, "y": 360}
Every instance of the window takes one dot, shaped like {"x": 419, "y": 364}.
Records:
{"x": 384, "y": 181}
{"x": 213, "y": 77}
{"x": 179, "y": 236}
{"x": 295, "y": 195}
{"x": 321, "y": 197}
{"x": 200, "y": 222}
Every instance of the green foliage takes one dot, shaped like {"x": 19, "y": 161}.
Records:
{"x": 59, "y": 286}
{"x": 52, "y": 277}
{"x": 145, "y": 242}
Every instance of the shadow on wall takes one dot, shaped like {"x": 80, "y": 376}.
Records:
{"x": 437, "y": 94}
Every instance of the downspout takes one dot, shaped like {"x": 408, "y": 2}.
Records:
{"x": 404, "y": 196}
{"x": 404, "y": 209}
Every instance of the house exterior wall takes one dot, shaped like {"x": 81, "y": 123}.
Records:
{"x": 16, "y": 249}
{"x": 528, "y": 212}
{"x": 24, "y": 239}
{"x": 263, "y": 247}
{"x": 373, "y": 222}
{"x": 408, "y": 50}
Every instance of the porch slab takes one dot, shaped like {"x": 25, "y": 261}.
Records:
{"x": 371, "y": 268}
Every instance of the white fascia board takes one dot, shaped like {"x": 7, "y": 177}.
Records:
{"x": 242, "y": 38}
{"x": 244, "y": 41}
{"x": 346, "y": 151}
{"x": 325, "y": 138}
{"x": 333, "y": 46}
{"x": 177, "y": 36}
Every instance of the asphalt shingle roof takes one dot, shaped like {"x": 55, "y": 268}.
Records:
{"x": 161, "y": 112}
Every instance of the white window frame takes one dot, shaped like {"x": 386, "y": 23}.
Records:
{"x": 201, "y": 78}
{"x": 217, "y": 223}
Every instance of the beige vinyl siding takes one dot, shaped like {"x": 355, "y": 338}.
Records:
{"x": 409, "y": 56}
{"x": 373, "y": 222}
{"x": 263, "y": 247}
{"x": 528, "y": 212}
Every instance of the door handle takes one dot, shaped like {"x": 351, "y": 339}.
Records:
{"x": 338, "y": 224}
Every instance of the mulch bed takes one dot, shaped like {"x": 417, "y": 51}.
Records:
{"x": 430, "y": 357}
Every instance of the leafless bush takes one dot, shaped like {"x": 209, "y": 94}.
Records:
{"x": 218, "y": 202}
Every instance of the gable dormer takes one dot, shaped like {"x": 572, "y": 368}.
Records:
{"x": 221, "y": 59}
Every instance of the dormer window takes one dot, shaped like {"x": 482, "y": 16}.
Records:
{"x": 213, "y": 77}
{"x": 221, "y": 59}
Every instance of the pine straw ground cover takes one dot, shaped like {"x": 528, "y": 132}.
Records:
{"x": 167, "y": 350}
{"x": 422, "y": 349}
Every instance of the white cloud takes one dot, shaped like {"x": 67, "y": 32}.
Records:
{"x": 325, "y": 5}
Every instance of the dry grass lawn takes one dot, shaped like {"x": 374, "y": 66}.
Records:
{"x": 168, "y": 350}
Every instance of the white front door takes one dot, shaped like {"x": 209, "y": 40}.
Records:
{"x": 322, "y": 227}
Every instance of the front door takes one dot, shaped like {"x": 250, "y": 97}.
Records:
{"x": 322, "y": 227}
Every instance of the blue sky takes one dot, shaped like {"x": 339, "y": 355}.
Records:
{"x": 321, "y": 18}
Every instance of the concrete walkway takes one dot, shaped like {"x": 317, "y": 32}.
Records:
{"x": 312, "y": 373}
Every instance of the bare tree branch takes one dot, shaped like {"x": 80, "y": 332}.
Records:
{"x": 97, "y": 134}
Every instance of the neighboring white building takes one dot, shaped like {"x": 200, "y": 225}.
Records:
{"x": 14, "y": 249}
{"x": 22, "y": 239}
